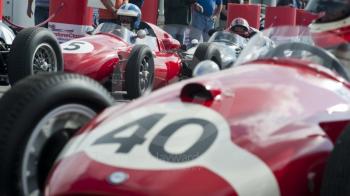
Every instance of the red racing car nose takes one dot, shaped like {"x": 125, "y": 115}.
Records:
{"x": 79, "y": 175}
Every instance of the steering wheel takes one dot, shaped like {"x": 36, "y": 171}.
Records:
{"x": 330, "y": 61}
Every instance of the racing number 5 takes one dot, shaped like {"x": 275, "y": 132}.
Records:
{"x": 74, "y": 46}
{"x": 157, "y": 146}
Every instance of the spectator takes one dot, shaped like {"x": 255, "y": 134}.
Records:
{"x": 223, "y": 13}
{"x": 204, "y": 15}
{"x": 139, "y": 3}
{"x": 177, "y": 15}
{"x": 303, "y": 4}
{"x": 95, "y": 17}
{"x": 41, "y": 12}
{"x": 110, "y": 13}
{"x": 291, "y": 3}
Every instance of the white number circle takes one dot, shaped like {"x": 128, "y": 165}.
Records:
{"x": 244, "y": 171}
{"x": 77, "y": 47}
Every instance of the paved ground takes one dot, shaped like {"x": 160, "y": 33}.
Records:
{"x": 118, "y": 97}
{"x": 3, "y": 89}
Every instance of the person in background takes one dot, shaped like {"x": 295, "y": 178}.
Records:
{"x": 41, "y": 12}
{"x": 204, "y": 15}
{"x": 290, "y": 3}
{"x": 223, "y": 13}
{"x": 110, "y": 13}
{"x": 95, "y": 17}
{"x": 303, "y": 4}
{"x": 177, "y": 14}
{"x": 139, "y": 3}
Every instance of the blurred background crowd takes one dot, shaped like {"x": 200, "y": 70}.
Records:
{"x": 178, "y": 17}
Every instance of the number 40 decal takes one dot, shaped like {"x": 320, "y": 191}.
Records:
{"x": 171, "y": 136}
{"x": 157, "y": 146}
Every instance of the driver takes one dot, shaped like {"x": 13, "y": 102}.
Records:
{"x": 129, "y": 16}
{"x": 334, "y": 19}
{"x": 241, "y": 27}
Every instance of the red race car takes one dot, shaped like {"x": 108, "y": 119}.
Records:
{"x": 123, "y": 61}
{"x": 265, "y": 127}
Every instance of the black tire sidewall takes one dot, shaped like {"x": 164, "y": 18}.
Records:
{"x": 206, "y": 51}
{"x": 22, "y": 108}
{"x": 132, "y": 78}
{"x": 336, "y": 178}
{"x": 22, "y": 52}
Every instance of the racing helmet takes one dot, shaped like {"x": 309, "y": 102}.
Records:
{"x": 333, "y": 14}
{"x": 240, "y": 26}
{"x": 129, "y": 15}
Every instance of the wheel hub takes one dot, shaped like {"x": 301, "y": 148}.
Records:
{"x": 144, "y": 75}
{"x": 44, "y": 59}
{"x": 47, "y": 140}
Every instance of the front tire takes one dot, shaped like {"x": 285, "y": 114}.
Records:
{"x": 139, "y": 72}
{"x": 206, "y": 51}
{"x": 37, "y": 118}
{"x": 336, "y": 178}
{"x": 34, "y": 50}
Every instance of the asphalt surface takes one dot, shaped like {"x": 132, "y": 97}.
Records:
{"x": 118, "y": 97}
{"x": 3, "y": 89}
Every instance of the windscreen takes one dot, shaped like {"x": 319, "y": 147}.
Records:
{"x": 115, "y": 29}
{"x": 297, "y": 42}
{"x": 227, "y": 38}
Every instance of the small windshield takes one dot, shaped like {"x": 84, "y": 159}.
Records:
{"x": 122, "y": 32}
{"x": 227, "y": 38}
{"x": 296, "y": 42}
{"x": 127, "y": 35}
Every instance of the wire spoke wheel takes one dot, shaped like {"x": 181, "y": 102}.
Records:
{"x": 44, "y": 59}
{"x": 144, "y": 75}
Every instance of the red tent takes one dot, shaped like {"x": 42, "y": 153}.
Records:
{"x": 304, "y": 18}
{"x": 277, "y": 16}
{"x": 150, "y": 11}
{"x": 250, "y": 12}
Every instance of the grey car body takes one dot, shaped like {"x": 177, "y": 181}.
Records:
{"x": 229, "y": 45}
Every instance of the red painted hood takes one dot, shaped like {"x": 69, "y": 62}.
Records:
{"x": 93, "y": 56}
{"x": 260, "y": 135}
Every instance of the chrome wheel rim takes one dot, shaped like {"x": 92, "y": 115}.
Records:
{"x": 144, "y": 75}
{"x": 69, "y": 116}
{"x": 44, "y": 59}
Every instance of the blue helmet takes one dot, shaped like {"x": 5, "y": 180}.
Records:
{"x": 130, "y": 13}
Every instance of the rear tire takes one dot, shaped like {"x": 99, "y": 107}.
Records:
{"x": 37, "y": 117}
{"x": 34, "y": 50}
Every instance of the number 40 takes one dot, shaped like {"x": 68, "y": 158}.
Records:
{"x": 156, "y": 148}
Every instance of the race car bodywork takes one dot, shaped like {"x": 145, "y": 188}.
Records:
{"x": 222, "y": 47}
{"x": 105, "y": 56}
{"x": 263, "y": 128}
{"x": 7, "y": 36}
{"x": 256, "y": 137}
{"x": 41, "y": 52}
{"x": 268, "y": 126}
